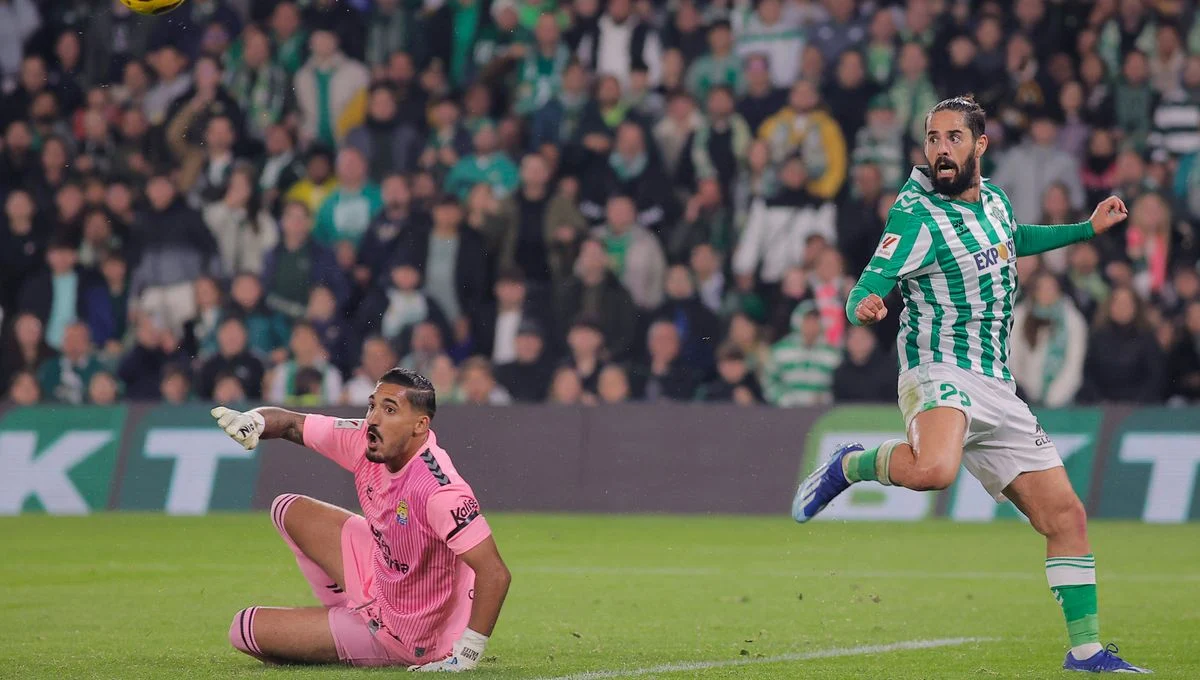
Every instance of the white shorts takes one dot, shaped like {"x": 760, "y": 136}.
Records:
{"x": 1003, "y": 437}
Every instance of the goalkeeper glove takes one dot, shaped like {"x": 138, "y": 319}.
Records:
{"x": 467, "y": 652}
{"x": 244, "y": 428}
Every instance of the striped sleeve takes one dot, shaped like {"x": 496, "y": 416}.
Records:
{"x": 905, "y": 248}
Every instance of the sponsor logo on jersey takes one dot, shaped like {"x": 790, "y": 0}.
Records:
{"x": 466, "y": 512}
{"x": 887, "y": 247}
{"x": 1001, "y": 253}
{"x": 385, "y": 552}
{"x": 402, "y": 513}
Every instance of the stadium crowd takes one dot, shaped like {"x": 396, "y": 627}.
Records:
{"x": 574, "y": 202}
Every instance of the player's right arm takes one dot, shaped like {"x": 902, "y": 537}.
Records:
{"x": 904, "y": 248}
{"x": 335, "y": 438}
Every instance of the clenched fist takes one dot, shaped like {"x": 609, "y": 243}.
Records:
{"x": 1109, "y": 213}
{"x": 870, "y": 310}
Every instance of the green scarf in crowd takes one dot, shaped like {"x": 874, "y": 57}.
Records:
{"x": 1056, "y": 350}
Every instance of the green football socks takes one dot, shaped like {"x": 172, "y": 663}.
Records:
{"x": 870, "y": 465}
{"x": 1073, "y": 582}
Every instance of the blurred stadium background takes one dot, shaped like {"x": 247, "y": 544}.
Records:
{"x": 595, "y": 226}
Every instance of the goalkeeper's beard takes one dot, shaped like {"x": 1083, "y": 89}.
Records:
{"x": 964, "y": 176}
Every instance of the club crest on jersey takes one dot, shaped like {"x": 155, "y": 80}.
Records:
{"x": 402, "y": 513}
{"x": 887, "y": 247}
{"x": 997, "y": 254}
{"x": 997, "y": 211}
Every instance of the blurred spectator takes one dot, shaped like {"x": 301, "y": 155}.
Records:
{"x": 804, "y": 130}
{"x": 848, "y": 95}
{"x": 1027, "y": 169}
{"x": 708, "y": 278}
{"x": 697, "y": 326}
{"x": 830, "y": 288}
{"x": 1148, "y": 243}
{"x": 882, "y": 43}
{"x": 455, "y": 268}
{"x": 25, "y": 349}
{"x": 424, "y": 346}
{"x": 666, "y": 373}
{"x": 176, "y": 249}
{"x": 24, "y": 389}
{"x": 719, "y": 146}
{"x": 634, "y": 253}
{"x": 960, "y": 74}
{"x": 770, "y": 37}
{"x": 59, "y": 294}
{"x": 289, "y": 37}
{"x": 448, "y": 140}
{"x": 719, "y": 66}
{"x": 1184, "y": 359}
{"x": 867, "y": 372}
{"x": 387, "y": 142}
{"x": 298, "y": 264}
{"x": 266, "y": 330}
{"x": 24, "y": 77}
{"x": 541, "y": 71}
{"x": 1124, "y": 362}
{"x": 912, "y": 93}
{"x": 391, "y": 28}
{"x": 176, "y": 386}
{"x": 377, "y": 359}
{"x": 1134, "y": 99}
{"x": 619, "y": 41}
{"x": 763, "y": 96}
{"x": 630, "y": 170}
{"x": 141, "y": 369}
{"x": 527, "y": 376}
{"x": 233, "y": 358}
{"x": 331, "y": 327}
{"x": 842, "y": 31}
{"x": 1049, "y": 344}
{"x": 586, "y": 352}
{"x": 778, "y": 228}
{"x": 444, "y": 376}
{"x": 98, "y": 239}
{"x": 801, "y": 366}
{"x": 200, "y": 333}
{"x": 686, "y": 34}
{"x": 103, "y": 389}
{"x": 880, "y": 143}
{"x": 241, "y": 225}
{"x": 1075, "y": 132}
{"x": 346, "y": 212}
{"x": 21, "y": 244}
{"x": 64, "y": 379}
{"x": 228, "y": 391}
{"x": 735, "y": 382}
{"x": 477, "y": 385}
{"x": 613, "y": 385}
{"x": 261, "y": 88}
{"x": 861, "y": 217}
{"x": 497, "y": 323}
{"x": 19, "y": 20}
{"x": 203, "y": 129}
{"x": 330, "y": 90}
{"x": 18, "y": 157}
{"x": 535, "y": 230}
{"x": 399, "y": 225}
{"x": 392, "y": 309}
{"x": 558, "y": 120}
{"x": 566, "y": 388}
{"x": 1176, "y": 122}
{"x": 115, "y": 37}
{"x": 318, "y": 180}
{"x": 308, "y": 356}
{"x": 673, "y": 134}
{"x": 706, "y": 220}
{"x": 486, "y": 166}
{"x": 281, "y": 168}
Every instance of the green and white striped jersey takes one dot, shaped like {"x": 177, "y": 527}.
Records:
{"x": 956, "y": 266}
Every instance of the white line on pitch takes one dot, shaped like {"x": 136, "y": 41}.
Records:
{"x": 1032, "y": 574}
{"x": 864, "y": 650}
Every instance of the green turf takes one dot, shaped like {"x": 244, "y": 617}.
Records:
{"x": 142, "y": 596}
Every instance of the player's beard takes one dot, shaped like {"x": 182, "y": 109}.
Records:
{"x": 375, "y": 453}
{"x": 964, "y": 176}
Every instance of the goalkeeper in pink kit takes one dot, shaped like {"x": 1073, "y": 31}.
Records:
{"x": 415, "y": 580}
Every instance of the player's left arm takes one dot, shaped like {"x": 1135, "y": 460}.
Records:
{"x": 1031, "y": 239}
{"x": 455, "y": 515}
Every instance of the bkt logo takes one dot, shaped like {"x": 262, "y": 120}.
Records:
{"x": 1005, "y": 252}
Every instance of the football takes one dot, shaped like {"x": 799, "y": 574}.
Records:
{"x": 152, "y": 7}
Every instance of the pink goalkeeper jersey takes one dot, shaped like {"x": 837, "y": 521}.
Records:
{"x": 422, "y": 517}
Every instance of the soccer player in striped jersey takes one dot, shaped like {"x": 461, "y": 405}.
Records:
{"x": 951, "y": 244}
{"x": 415, "y": 580}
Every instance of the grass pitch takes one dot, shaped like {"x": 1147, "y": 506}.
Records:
{"x": 149, "y": 596}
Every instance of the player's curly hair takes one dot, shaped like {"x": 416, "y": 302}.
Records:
{"x": 972, "y": 112}
{"x": 417, "y": 389}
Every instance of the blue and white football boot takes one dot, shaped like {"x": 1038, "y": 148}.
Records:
{"x": 823, "y": 485}
{"x": 1104, "y": 661}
